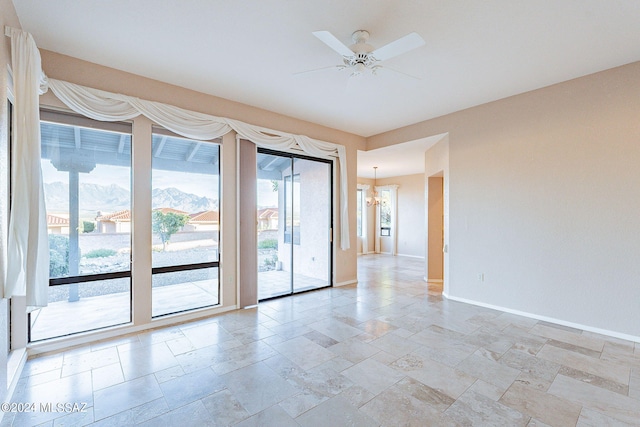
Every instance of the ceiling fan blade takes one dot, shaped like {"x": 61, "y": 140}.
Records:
{"x": 377, "y": 68}
{"x": 337, "y": 67}
{"x": 330, "y": 40}
{"x": 398, "y": 47}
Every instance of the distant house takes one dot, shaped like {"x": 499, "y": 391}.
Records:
{"x": 57, "y": 224}
{"x": 117, "y": 222}
{"x": 267, "y": 219}
{"x": 203, "y": 221}
{"x": 120, "y": 222}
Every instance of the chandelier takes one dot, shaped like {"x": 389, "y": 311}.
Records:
{"x": 374, "y": 199}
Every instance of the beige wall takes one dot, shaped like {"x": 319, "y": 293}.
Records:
{"x": 411, "y": 214}
{"x": 543, "y": 200}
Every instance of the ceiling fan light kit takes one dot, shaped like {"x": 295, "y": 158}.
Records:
{"x": 361, "y": 57}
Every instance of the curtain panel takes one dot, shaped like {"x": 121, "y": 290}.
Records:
{"x": 364, "y": 218}
{"x": 28, "y": 242}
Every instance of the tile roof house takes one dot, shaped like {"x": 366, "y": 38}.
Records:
{"x": 57, "y": 224}
{"x": 116, "y": 222}
{"x": 267, "y": 219}
{"x": 203, "y": 221}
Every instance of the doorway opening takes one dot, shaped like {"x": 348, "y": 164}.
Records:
{"x": 435, "y": 232}
{"x": 294, "y": 202}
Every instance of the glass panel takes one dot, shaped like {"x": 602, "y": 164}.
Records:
{"x": 288, "y": 209}
{"x": 184, "y": 290}
{"x": 274, "y": 229}
{"x": 87, "y": 185}
{"x": 359, "y": 213}
{"x": 385, "y": 212}
{"x": 100, "y": 304}
{"x": 311, "y": 224}
{"x": 185, "y": 216}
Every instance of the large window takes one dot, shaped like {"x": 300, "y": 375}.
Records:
{"x": 185, "y": 223}
{"x": 86, "y": 170}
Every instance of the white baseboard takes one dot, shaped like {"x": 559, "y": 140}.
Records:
{"x": 15, "y": 364}
{"x": 606, "y": 332}
{"x": 347, "y": 282}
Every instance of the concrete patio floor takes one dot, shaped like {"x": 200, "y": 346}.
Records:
{"x": 89, "y": 313}
{"x": 64, "y": 317}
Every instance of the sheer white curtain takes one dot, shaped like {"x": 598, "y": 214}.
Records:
{"x": 28, "y": 242}
{"x": 106, "y": 106}
{"x": 364, "y": 217}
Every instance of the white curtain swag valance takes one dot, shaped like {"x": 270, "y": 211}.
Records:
{"x": 107, "y": 106}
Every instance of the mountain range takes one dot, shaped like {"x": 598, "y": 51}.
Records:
{"x": 112, "y": 198}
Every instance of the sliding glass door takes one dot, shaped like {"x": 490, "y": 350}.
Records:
{"x": 294, "y": 223}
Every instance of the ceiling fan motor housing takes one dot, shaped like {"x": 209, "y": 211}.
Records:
{"x": 364, "y": 59}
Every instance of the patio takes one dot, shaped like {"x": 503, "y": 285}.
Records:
{"x": 62, "y": 318}
{"x": 89, "y": 313}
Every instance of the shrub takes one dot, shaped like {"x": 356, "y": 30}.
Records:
{"x": 270, "y": 263}
{"x": 100, "y": 253}
{"x": 268, "y": 244}
{"x": 88, "y": 226}
{"x": 58, "y": 255}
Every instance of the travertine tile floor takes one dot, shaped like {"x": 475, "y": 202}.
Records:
{"x": 390, "y": 351}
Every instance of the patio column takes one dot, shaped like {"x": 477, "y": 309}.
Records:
{"x": 74, "y": 223}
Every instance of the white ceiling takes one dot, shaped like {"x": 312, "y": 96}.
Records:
{"x": 247, "y": 50}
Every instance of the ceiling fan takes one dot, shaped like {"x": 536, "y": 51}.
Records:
{"x": 361, "y": 57}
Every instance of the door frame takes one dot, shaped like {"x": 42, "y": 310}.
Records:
{"x": 292, "y": 156}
